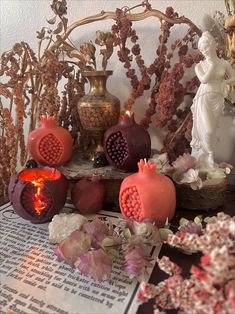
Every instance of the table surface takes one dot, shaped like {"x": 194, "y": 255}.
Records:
{"x": 184, "y": 261}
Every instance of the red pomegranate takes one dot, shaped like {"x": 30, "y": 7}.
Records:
{"x": 88, "y": 196}
{"x": 126, "y": 143}
{"x": 50, "y": 144}
{"x": 147, "y": 195}
{"x": 37, "y": 194}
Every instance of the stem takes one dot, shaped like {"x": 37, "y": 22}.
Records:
{"x": 227, "y": 6}
{"x": 181, "y": 127}
{"x": 134, "y": 7}
{"x": 132, "y": 17}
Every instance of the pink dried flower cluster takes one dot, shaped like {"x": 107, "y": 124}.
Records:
{"x": 92, "y": 249}
{"x": 222, "y": 224}
{"x": 184, "y": 170}
{"x": 211, "y": 286}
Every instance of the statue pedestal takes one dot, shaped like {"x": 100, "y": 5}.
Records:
{"x": 79, "y": 168}
{"x": 210, "y": 196}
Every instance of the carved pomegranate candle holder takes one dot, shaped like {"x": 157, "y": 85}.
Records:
{"x": 147, "y": 195}
{"x": 126, "y": 143}
{"x": 38, "y": 194}
{"x": 50, "y": 144}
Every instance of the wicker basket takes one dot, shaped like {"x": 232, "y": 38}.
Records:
{"x": 210, "y": 196}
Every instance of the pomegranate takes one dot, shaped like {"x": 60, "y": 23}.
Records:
{"x": 50, "y": 144}
{"x": 126, "y": 143}
{"x": 88, "y": 196}
{"x": 147, "y": 195}
{"x": 37, "y": 194}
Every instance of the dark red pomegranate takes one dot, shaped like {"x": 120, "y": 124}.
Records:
{"x": 126, "y": 143}
{"x": 37, "y": 194}
{"x": 88, "y": 196}
{"x": 50, "y": 144}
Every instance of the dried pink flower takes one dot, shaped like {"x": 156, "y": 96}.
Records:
{"x": 73, "y": 246}
{"x": 96, "y": 264}
{"x": 205, "y": 260}
{"x": 97, "y": 230}
{"x": 169, "y": 267}
{"x": 136, "y": 259}
{"x": 192, "y": 177}
{"x": 59, "y": 254}
{"x": 184, "y": 163}
{"x": 146, "y": 230}
{"x": 191, "y": 227}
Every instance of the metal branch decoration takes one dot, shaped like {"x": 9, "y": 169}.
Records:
{"x": 31, "y": 80}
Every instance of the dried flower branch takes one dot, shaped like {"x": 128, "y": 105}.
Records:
{"x": 31, "y": 89}
{"x": 169, "y": 90}
{"x": 211, "y": 286}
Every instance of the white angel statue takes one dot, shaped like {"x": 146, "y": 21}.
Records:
{"x": 214, "y": 73}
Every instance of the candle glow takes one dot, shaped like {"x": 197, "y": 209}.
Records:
{"x": 40, "y": 202}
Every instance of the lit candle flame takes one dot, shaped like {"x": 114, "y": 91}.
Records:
{"x": 128, "y": 113}
{"x": 39, "y": 201}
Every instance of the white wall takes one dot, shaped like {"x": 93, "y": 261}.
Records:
{"x": 20, "y": 19}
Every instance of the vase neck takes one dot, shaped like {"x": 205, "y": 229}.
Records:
{"x": 97, "y": 85}
{"x": 97, "y": 82}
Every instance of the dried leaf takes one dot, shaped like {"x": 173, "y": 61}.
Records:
{"x": 59, "y": 39}
{"x": 52, "y": 20}
{"x": 59, "y": 28}
{"x": 164, "y": 233}
{"x": 67, "y": 47}
{"x": 65, "y": 22}
{"x": 183, "y": 221}
{"x": 4, "y": 91}
{"x": 24, "y": 64}
{"x": 198, "y": 220}
{"x": 75, "y": 55}
{"x": 89, "y": 68}
{"x": 41, "y": 34}
{"x": 1, "y": 71}
{"x": 17, "y": 48}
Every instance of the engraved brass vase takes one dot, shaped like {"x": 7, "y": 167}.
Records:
{"x": 98, "y": 110}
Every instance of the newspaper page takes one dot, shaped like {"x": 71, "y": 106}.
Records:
{"x": 33, "y": 281}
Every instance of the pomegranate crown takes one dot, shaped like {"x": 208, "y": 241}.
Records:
{"x": 146, "y": 167}
{"x": 47, "y": 120}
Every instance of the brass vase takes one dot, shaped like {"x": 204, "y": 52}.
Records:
{"x": 98, "y": 110}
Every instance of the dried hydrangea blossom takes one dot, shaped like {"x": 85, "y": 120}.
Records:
{"x": 96, "y": 264}
{"x": 76, "y": 244}
{"x": 136, "y": 259}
